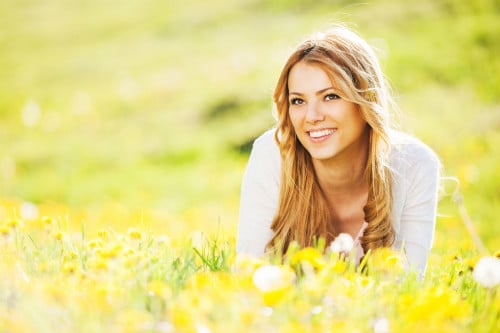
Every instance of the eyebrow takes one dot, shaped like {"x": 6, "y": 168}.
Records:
{"x": 319, "y": 92}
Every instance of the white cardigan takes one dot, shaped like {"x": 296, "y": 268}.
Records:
{"x": 415, "y": 191}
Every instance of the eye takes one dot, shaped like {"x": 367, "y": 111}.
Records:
{"x": 330, "y": 97}
{"x": 296, "y": 101}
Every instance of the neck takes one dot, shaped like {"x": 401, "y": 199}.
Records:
{"x": 345, "y": 172}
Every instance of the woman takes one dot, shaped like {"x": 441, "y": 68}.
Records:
{"x": 332, "y": 165}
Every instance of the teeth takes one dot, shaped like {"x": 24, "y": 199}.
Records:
{"x": 318, "y": 134}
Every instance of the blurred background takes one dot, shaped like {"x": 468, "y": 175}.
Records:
{"x": 150, "y": 107}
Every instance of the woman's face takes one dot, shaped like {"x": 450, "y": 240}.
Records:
{"x": 328, "y": 126}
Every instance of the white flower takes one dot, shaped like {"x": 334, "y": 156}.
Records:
{"x": 271, "y": 277}
{"x": 29, "y": 211}
{"x": 487, "y": 272}
{"x": 342, "y": 243}
{"x": 381, "y": 325}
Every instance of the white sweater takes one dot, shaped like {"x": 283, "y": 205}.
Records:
{"x": 415, "y": 186}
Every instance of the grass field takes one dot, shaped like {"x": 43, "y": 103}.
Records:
{"x": 136, "y": 117}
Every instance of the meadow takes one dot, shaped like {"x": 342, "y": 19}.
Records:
{"x": 125, "y": 127}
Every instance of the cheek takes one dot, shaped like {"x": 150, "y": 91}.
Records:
{"x": 295, "y": 117}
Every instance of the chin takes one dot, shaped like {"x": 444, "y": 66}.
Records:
{"x": 322, "y": 156}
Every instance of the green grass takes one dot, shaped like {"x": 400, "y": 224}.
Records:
{"x": 153, "y": 104}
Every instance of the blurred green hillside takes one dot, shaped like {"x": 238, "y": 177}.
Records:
{"x": 153, "y": 104}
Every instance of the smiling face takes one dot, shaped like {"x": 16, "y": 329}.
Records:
{"x": 328, "y": 126}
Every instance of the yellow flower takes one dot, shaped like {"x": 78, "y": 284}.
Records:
{"x": 159, "y": 288}
{"x": 435, "y": 304}
{"x": 15, "y": 223}
{"x": 309, "y": 255}
{"x": 103, "y": 234}
{"x": 94, "y": 244}
{"x": 58, "y": 235}
{"x": 47, "y": 221}
{"x": 4, "y": 230}
{"x": 70, "y": 256}
{"x": 98, "y": 264}
{"x": 385, "y": 260}
{"x": 69, "y": 268}
{"x": 134, "y": 233}
{"x": 110, "y": 251}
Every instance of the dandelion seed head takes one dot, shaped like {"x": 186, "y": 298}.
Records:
{"x": 342, "y": 243}
{"x": 317, "y": 309}
{"x": 271, "y": 277}
{"x": 266, "y": 311}
{"x": 487, "y": 272}
{"x": 381, "y": 325}
{"x": 29, "y": 211}
{"x": 200, "y": 328}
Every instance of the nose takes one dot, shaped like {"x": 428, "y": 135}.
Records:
{"x": 314, "y": 114}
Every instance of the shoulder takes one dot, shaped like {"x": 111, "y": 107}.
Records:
{"x": 266, "y": 139}
{"x": 265, "y": 146}
{"x": 265, "y": 158}
{"x": 408, "y": 152}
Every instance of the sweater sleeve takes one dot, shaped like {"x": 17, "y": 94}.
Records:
{"x": 259, "y": 196}
{"x": 418, "y": 218}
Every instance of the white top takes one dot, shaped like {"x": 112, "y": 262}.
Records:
{"x": 415, "y": 186}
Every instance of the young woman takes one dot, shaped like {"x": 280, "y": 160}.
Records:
{"x": 332, "y": 164}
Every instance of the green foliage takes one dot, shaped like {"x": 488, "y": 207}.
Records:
{"x": 155, "y": 104}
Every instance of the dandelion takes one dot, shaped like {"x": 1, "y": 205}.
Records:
{"x": 70, "y": 256}
{"x": 29, "y": 211}
{"x": 103, "y": 234}
{"x": 135, "y": 234}
{"x": 386, "y": 260}
{"x": 310, "y": 256}
{"x": 69, "y": 268}
{"x": 381, "y": 325}
{"x": 58, "y": 235}
{"x": 48, "y": 222}
{"x": 342, "y": 243}
{"x": 4, "y": 230}
{"x": 487, "y": 272}
{"x": 94, "y": 244}
{"x": 111, "y": 251}
{"x": 200, "y": 328}
{"x": 273, "y": 281}
{"x": 15, "y": 223}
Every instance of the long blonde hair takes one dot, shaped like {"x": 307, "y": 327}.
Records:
{"x": 303, "y": 214}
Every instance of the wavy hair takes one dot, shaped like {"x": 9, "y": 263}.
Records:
{"x": 303, "y": 215}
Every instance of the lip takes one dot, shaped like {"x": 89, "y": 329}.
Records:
{"x": 321, "y": 134}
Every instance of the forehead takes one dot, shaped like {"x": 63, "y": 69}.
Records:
{"x": 305, "y": 77}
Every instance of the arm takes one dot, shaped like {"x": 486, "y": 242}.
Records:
{"x": 418, "y": 220}
{"x": 259, "y": 196}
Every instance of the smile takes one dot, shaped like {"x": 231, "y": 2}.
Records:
{"x": 321, "y": 133}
